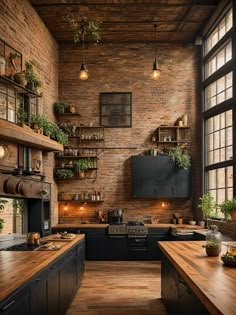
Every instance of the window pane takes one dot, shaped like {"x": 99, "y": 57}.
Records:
{"x": 219, "y": 138}
{"x": 221, "y": 29}
{"x": 218, "y": 91}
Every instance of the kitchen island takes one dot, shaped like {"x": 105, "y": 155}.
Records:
{"x": 41, "y": 281}
{"x": 193, "y": 283}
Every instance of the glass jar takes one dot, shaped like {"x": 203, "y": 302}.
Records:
{"x": 213, "y": 241}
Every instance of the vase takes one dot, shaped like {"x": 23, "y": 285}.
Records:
{"x": 185, "y": 119}
{"x": 233, "y": 214}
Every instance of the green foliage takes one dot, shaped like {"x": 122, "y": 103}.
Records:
{"x": 22, "y": 116}
{"x": 18, "y": 206}
{"x": 228, "y": 205}
{"x": 83, "y": 27}
{"x": 82, "y": 165}
{"x": 180, "y": 158}
{"x": 1, "y": 223}
{"x": 38, "y": 120}
{"x": 2, "y": 203}
{"x": 32, "y": 79}
{"x": 64, "y": 173}
{"x": 67, "y": 127}
{"x": 207, "y": 204}
{"x": 59, "y": 107}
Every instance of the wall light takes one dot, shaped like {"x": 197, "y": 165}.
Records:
{"x": 83, "y": 206}
{"x": 156, "y": 71}
{"x": 83, "y": 73}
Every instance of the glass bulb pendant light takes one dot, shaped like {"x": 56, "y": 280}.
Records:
{"x": 156, "y": 71}
{"x": 83, "y": 73}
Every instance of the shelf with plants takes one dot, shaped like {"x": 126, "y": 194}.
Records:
{"x": 20, "y": 89}
{"x": 80, "y": 201}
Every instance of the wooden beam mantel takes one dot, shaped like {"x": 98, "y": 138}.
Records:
{"x": 16, "y": 134}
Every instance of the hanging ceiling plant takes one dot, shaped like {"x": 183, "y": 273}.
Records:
{"x": 84, "y": 27}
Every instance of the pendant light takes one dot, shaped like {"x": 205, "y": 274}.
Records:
{"x": 83, "y": 73}
{"x": 156, "y": 71}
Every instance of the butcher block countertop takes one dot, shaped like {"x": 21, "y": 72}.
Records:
{"x": 105, "y": 225}
{"x": 212, "y": 282}
{"x": 17, "y": 267}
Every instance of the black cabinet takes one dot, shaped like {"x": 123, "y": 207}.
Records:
{"x": 117, "y": 247}
{"x": 17, "y": 304}
{"x": 68, "y": 272}
{"x": 53, "y": 289}
{"x": 154, "y": 236}
{"x": 80, "y": 258}
{"x": 176, "y": 294}
{"x": 159, "y": 177}
{"x": 38, "y": 294}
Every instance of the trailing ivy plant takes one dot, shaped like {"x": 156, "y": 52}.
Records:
{"x": 84, "y": 27}
{"x": 181, "y": 158}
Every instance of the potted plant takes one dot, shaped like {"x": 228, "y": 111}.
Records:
{"x": 207, "y": 205}
{"x": 37, "y": 123}
{"x": 2, "y": 206}
{"x": 64, "y": 173}
{"x": 22, "y": 116}
{"x": 59, "y": 108}
{"x": 81, "y": 166}
{"x": 228, "y": 207}
{"x": 180, "y": 157}
{"x": 20, "y": 78}
{"x": 33, "y": 82}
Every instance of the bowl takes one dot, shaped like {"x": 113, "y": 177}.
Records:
{"x": 192, "y": 222}
{"x": 229, "y": 262}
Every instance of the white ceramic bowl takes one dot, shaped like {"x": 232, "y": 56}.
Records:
{"x": 192, "y": 222}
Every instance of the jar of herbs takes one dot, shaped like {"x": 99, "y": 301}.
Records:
{"x": 213, "y": 241}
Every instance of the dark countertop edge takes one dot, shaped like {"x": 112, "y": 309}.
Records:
{"x": 51, "y": 260}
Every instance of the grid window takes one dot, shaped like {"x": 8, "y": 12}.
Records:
{"x": 222, "y": 28}
{"x": 219, "y": 146}
{"x": 220, "y": 184}
{"x": 219, "y": 91}
{"x": 221, "y": 58}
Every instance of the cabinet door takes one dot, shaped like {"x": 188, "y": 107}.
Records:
{"x": 154, "y": 251}
{"x": 188, "y": 302}
{"x": 67, "y": 280}
{"x": 96, "y": 247}
{"x": 17, "y": 304}
{"x": 117, "y": 247}
{"x": 169, "y": 287}
{"x": 80, "y": 258}
{"x": 38, "y": 295}
{"x": 53, "y": 289}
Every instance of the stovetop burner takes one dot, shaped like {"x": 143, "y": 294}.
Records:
{"x": 22, "y": 247}
{"x": 135, "y": 223}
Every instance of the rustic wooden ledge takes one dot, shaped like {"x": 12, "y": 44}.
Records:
{"x": 14, "y": 133}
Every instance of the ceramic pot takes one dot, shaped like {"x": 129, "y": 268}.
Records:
{"x": 233, "y": 214}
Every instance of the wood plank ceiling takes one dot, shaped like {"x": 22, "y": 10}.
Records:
{"x": 127, "y": 21}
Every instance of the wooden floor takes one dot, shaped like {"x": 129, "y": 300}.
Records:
{"x": 119, "y": 288}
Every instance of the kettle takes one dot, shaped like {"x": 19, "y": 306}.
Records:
{"x": 33, "y": 238}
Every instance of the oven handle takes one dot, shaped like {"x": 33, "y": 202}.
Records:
{"x": 137, "y": 237}
{"x": 116, "y": 236}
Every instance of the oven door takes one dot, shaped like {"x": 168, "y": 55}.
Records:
{"x": 137, "y": 247}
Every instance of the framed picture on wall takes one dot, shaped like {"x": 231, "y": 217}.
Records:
{"x": 116, "y": 109}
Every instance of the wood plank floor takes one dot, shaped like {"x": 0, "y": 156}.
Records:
{"x": 119, "y": 288}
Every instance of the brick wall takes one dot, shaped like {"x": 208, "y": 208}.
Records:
{"x": 22, "y": 28}
{"x": 126, "y": 68}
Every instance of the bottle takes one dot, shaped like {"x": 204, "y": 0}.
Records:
{"x": 213, "y": 241}
{"x": 185, "y": 119}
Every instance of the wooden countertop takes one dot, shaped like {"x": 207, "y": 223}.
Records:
{"x": 16, "y": 268}
{"x": 105, "y": 225}
{"x": 212, "y": 282}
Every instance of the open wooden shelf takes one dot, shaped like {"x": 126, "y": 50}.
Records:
{"x": 19, "y": 88}
{"x": 81, "y": 201}
{"x": 14, "y": 133}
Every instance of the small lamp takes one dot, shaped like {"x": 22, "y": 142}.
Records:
{"x": 156, "y": 71}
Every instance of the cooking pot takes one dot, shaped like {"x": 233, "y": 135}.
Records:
{"x": 33, "y": 238}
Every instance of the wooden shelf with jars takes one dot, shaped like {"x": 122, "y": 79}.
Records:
{"x": 177, "y": 135}
{"x": 82, "y": 197}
